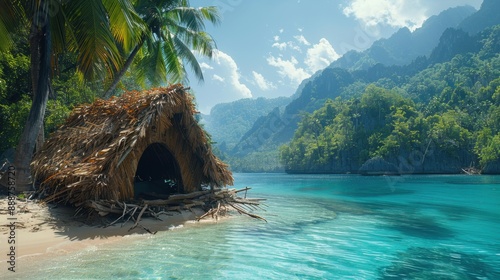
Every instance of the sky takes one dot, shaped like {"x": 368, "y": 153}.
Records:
{"x": 265, "y": 48}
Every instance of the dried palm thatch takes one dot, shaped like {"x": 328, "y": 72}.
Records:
{"x": 95, "y": 154}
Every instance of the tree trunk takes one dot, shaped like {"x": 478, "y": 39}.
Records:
{"x": 42, "y": 51}
{"x": 124, "y": 69}
{"x": 35, "y": 37}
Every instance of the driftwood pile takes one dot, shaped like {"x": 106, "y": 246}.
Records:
{"x": 216, "y": 203}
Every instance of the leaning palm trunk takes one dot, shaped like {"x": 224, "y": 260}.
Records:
{"x": 35, "y": 38}
{"x": 41, "y": 50}
{"x": 124, "y": 69}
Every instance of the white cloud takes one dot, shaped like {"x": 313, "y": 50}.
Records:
{"x": 224, "y": 84}
{"x": 317, "y": 57}
{"x": 397, "y": 13}
{"x": 302, "y": 39}
{"x": 289, "y": 69}
{"x": 280, "y": 46}
{"x": 320, "y": 55}
{"x": 281, "y": 30}
{"x": 286, "y": 45}
{"x": 205, "y": 66}
{"x": 218, "y": 78}
{"x": 261, "y": 82}
{"x": 401, "y": 13}
{"x": 229, "y": 70}
{"x": 290, "y": 45}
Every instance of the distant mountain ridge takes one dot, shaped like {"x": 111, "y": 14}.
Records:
{"x": 488, "y": 15}
{"x": 228, "y": 122}
{"x": 404, "y": 46}
{"x": 277, "y": 127}
{"x": 441, "y": 119}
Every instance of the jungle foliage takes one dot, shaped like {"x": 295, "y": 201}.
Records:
{"x": 451, "y": 108}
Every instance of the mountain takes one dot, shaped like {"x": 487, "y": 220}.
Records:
{"x": 404, "y": 46}
{"x": 253, "y": 130}
{"x": 453, "y": 42}
{"x": 278, "y": 126}
{"x": 227, "y": 122}
{"x": 259, "y": 145}
{"x": 442, "y": 119}
{"x": 486, "y": 16}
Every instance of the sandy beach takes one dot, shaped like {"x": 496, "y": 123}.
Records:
{"x": 43, "y": 230}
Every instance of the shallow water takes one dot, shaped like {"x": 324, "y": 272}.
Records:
{"x": 319, "y": 227}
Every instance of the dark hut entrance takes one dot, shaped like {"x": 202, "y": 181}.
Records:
{"x": 158, "y": 174}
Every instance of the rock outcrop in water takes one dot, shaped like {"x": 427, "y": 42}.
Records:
{"x": 378, "y": 166}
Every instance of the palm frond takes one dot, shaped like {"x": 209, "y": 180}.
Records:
{"x": 175, "y": 32}
{"x": 11, "y": 14}
{"x": 5, "y": 39}
{"x": 58, "y": 31}
{"x": 97, "y": 51}
{"x": 126, "y": 25}
{"x": 211, "y": 14}
{"x": 138, "y": 75}
{"x": 200, "y": 41}
{"x": 185, "y": 53}
{"x": 175, "y": 69}
{"x": 152, "y": 65}
{"x": 194, "y": 18}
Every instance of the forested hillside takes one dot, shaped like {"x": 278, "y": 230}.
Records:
{"x": 228, "y": 122}
{"x": 258, "y": 149}
{"x": 442, "y": 119}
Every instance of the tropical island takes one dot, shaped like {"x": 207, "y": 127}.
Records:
{"x": 414, "y": 103}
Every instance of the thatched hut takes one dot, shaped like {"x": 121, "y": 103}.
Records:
{"x": 105, "y": 149}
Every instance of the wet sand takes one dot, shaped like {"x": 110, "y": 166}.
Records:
{"x": 43, "y": 230}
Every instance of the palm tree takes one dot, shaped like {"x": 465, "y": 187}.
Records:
{"x": 10, "y": 13}
{"x": 174, "y": 30}
{"x": 90, "y": 28}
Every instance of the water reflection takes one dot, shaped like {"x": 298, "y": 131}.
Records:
{"x": 370, "y": 191}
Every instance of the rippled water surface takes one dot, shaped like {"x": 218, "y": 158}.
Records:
{"x": 320, "y": 227}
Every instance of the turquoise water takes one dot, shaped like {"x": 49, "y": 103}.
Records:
{"x": 319, "y": 227}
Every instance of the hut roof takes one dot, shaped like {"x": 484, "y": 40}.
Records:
{"x": 95, "y": 154}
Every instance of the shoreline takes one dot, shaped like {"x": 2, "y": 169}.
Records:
{"x": 43, "y": 230}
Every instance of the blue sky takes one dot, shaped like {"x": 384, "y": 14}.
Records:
{"x": 267, "y": 47}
